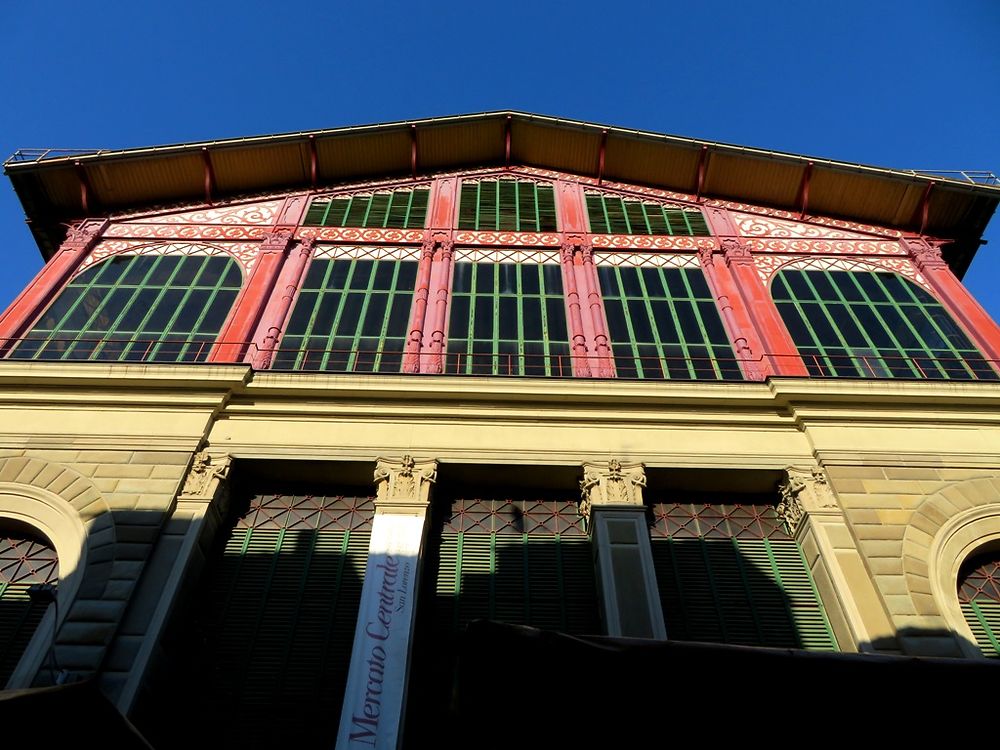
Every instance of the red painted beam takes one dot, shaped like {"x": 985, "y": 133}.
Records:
{"x": 209, "y": 174}
{"x": 506, "y": 142}
{"x": 275, "y": 315}
{"x": 923, "y": 208}
{"x": 702, "y": 169}
{"x": 418, "y": 315}
{"x": 86, "y": 191}
{"x": 313, "y": 162}
{"x": 803, "y": 197}
{"x": 602, "y": 349}
{"x": 413, "y": 151}
{"x": 600, "y": 156}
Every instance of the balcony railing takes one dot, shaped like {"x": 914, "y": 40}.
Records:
{"x": 175, "y": 350}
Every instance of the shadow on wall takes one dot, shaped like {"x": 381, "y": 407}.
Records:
{"x": 257, "y": 654}
{"x": 755, "y": 592}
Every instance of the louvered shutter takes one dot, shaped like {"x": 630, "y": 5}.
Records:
{"x": 731, "y": 574}
{"x": 979, "y": 595}
{"x": 24, "y": 562}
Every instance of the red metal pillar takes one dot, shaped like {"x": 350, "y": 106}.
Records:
{"x": 26, "y": 307}
{"x": 235, "y": 335}
{"x": 980, "y": 327}
{"x": 602, "y": 351}
{"x": 746, "y": 345}
{"x": 753, "y": 310}
{"x": 418, "y": 318}
{"x": 275, "y": 316}
{"x": 445, "y": 252}
{"x": 577, "y": 334}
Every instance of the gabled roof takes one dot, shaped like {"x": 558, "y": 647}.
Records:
{"x": 56, "y": 187}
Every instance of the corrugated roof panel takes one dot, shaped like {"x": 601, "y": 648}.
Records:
{"x": 259, "y": 168}
{"x": 752, "y": 179}
{"x": 352, "y": 156}
{"x": 649, "y": 163}
{"x": 449, "y": 145}
{"x": 565, "y": 149}
{"x": 153, "y": 179}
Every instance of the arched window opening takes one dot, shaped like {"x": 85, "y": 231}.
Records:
{"x": 26, "y": 560}
{"x": 138, "y": 308}
{"x": 873, "y": 325}
{"x": 979, "y": 596}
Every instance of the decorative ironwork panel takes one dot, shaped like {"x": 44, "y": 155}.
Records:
{"x": 138, "y": 308}
{"x": 874, "y": 325}
{"x": 612, "y": 214}
{"x": 507, "y": 205}
{"x": 730, "y": 573}
{"x": 397, "y": 209}
{"x": 664, "y": 324}
{"x": 508, "y": 319}
{"x": 351, "y": 315}
{"x": 979, "y": 595}
{"x": 516, "y": 517}
{"x": 24, "y": 562}
{"x": 313, "y": 512}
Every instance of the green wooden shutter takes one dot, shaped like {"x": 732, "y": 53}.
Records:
{"x": 730, "y": 574}
{"x": 277, "y": 626}
{"x": 612, "y": 214}
{"x": 537, "y": 570}
{"x": 396, "y": 209}
{"x": 979, "y": 595}
{"x": 24, "y": 562}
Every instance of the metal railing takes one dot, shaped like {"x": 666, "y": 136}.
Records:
{"x": 974, "y": 176}
{"x": 23, "y": 155}
{"x": 138, "y": 350}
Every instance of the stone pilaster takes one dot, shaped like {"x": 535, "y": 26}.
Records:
{"x": 810, "y": 509}
{"x": 178, "y": 557}
{"x": 612, "y": 503}
{"x": 384, "y": 634}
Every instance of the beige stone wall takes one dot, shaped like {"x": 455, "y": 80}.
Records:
{"x": 911, "y": 468}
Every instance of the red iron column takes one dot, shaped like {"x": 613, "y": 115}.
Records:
{"x": 980, "y": 327}
{"x": 26, "y": 307}
{"x": 256, "y": 292}
{"x": 754, "y": 314}
{"x": 602, "y": 351}
{"x": 578, "y": 336}
{"x": 418, "y": 318}
{"x": 445, "y": 252}
{"x": 272, "y": 322}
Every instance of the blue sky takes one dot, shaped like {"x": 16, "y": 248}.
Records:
{"x": 899, "y": 84}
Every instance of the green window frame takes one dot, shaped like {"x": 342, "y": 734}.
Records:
{"x": 507, "y": 205}
{"x": 731, "y": 573}
{"x": 873, "y": 324}
{"x": 612, "y": 214}
{"x": 351, "y": 315}
{"x": 138, "y": 308}
{"x": 508, "y": 319}
{"x": 396, "y": 209}
{"x": 664, "y": 324}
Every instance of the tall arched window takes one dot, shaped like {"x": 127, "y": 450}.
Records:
{"x": 26, "y": 560}
{"x": 138, "y": 308}
{"x": 979, "y": 595}
{"x": 873, "y": 324}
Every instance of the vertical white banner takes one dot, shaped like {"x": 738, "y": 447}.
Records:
{"x": 374, "y": 698}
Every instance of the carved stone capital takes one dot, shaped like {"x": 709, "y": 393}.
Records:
{"x": 736, "y": 252}
{"x": 804, "y": 491}
{"x": 706, "y": 255}
{"x": 403, "y": 486}
{"x": 207, "y": 474}
{"x": 276, "y": 241}
{"x": 925, "y": 255}
{"x": 613, "y": 483}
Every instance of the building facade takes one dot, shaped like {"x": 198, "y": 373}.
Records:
{"x": 281, "y": 416}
